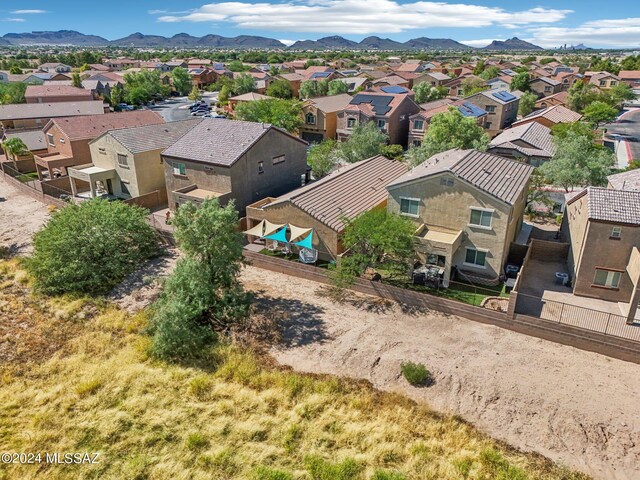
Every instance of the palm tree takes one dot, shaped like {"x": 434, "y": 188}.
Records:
{"x": 14, "y": 147}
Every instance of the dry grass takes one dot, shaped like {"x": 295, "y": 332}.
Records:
{"x": 236, "y": 416}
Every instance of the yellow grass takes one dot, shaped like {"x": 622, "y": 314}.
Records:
{"x": 235, "y": 416}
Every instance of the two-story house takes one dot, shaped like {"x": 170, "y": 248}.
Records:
{"x": 233, "y": 160}
{"x": 467, "y": 207}
{"x": 550, "y": 116}
{"x": 320, "y": 116}
{"x": 435, "y": 79}
{"x": 126, "y": 163}
{"x": 545, "y": 86}
{"x": 419, "y": 122}
{"x": 56, "y": 93}
{"x": 389, "y": 110}
{"x": 602, "y": 227}
{"x": 500, "y": 105}
{"x": 53, "y": 67}
{"x": 531, "y": 143}
{"x": 602, "y": 80}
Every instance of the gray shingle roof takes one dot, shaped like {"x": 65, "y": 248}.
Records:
{"x": 347, "y": 192}
{"x": 19, "y": 111}
{"x": 498, "y": 176}
{"x": 608, "y": 205}
{"x": 220, "y": 141}
{"x": 535, "y": 135}
{"x": 152, "y": 137}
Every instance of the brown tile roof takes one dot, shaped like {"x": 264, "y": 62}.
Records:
{"x": 500, "y": 177}
{"x": 347, "y": 192}
{"x": 555, "y": 114}
{"x": 80, "y": 128}
{"x": 629, "y": 74}
{"x": 561, "y": 97}
{"x": 56, "y": 91}
{"x": 291, "y": 77}
{"x": 331, "y": 103}
{"x": 629, "y": 180}
{"x": 146, "y": 138}
{"x": 220, "y": 141}
{"x": 536, "y": 136}
{"x": 609, "y": 205}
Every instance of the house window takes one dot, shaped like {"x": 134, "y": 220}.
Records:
{"x": 487, "y": 125}
{"x": 382, "y": 124}
{"x": 418, "y": 124}
{"x": 417, "y": 143}
{"x": 409, "y": 206}
{"x": 613, "y": 83}
{"x": 179, "y": 168}
{"x": 603, "y": 83}
{"x": 616, "y": 232}
{"x": 51, "y": 139}
{"x": 607, "y": 278}
{"x": 490, "y": 108}
{"x": 476, "y": 258}
{"x": 102, "y": 151}
{"x": 209, "y": 170}
{"x": 311, "y": 119}
{"x": 124, "y": 186}
{"x": 260, "y": 166}
{"x": 547, "y": 89}
{"x": 122, "y": 160}
{"x": 480, "y": 218}
{"x": 278, "y": 159}
{"x": 351, "y": 122}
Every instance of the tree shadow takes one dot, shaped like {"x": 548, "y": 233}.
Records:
{"x": 298, "y": 323}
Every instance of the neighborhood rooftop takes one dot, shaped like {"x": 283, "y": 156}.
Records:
{"x": 152, "y": 137}
{"x": 20, "y": 111}
{"x": 534, "y": 134}
{"x": 629, "y": 180}
{"x": 609, "y": 205}
{"x": 77, "y": 128}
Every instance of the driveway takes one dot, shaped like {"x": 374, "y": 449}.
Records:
{"x": 627, "y": 128}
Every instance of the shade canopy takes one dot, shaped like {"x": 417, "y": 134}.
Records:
{"x": 257, "y": 231}
{"x": 297, "y": 232}
{"x": 269, "y": 227}
{"x": 306, "y": 242}
{"x": 278, "y": 236}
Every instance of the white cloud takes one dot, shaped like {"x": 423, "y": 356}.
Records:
{"x": 479, "y": 43}
{"x": 288, "y": 43}
{"x": 352, "y": 17}
{"x": 14, "y": 20}
{"x": 27, "y": 12}
{"x": 624, "y": 32}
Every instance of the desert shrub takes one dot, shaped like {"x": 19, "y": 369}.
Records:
{"x": 265, "y": 473}
{"x": 196, "y": 441}
{"x": 496, "y": 466}
{"x": 416, "y": 373}
{"x": 321, "y": 469}
{"x": 385, "y": 475}
{"x": 90, "y": 247}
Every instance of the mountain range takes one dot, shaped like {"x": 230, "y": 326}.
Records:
{"x": 184, "y": 40}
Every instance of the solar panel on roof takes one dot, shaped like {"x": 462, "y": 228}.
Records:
{"x": 504, "y": 96}
{"x": 393, "y": 89}
{"x": 320, "y": 74}
{"x": 379, "y": 103}
{"x": 470, "y": 110}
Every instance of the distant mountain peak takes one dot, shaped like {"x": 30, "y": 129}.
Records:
{"x": 511, "y": 44}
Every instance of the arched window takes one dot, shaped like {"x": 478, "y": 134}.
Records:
{"x": 311, "y": 119}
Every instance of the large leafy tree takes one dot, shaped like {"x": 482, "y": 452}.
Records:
{"x": 472, "y": 85}
{"x": 243, "y": 84}
{"x": 580, "y": 95}
{"x": 279, "y": 112}
{"x": 527, "y": 103}
{"x": 365, "y": 141}
{"x": 90, "y": 247}
{"x": 619, "y": 94}
{"x": 313, "y": 88}
{"x": 12, "y": 92}
{"x": 336, "y": 87}
{"x": 578, "y": 162}
{"x": 520, "y": 82}
{"x": 424, "y": 92}
{"x": 204, "y": 293}
{"x": 141, "y": 87}
{"x": 323, "y": 158}
{"x": 490, "y": 72}
{"x": 599, "y": 112}
{"x": 76, "y": 81}
{"x": 181, "y": 80}
{"x": 280, "y": 89}
{"x": 375, "y": 239}
{"x": 449, "y": 130}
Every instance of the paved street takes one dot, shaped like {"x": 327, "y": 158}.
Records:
{"x": 177, "y": 108}
{"x": 628, "y": 129}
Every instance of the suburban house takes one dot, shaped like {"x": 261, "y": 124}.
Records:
{"x": 119, "y": 64}
{"x": 419, "y": 122}
{"x": 602, "y": 80}
{"x": 233, "y": 160}
{"x": 36, "y": 115}
{"x": 531, "y": 143}
{"x": 499, "y": 83}
{"x": 355, "y": 83}
{"x": 126, "y": 162}
{"x": 35, "y": 143}
{"x": 629, "y": 180}
{"x": 324, "y": 205}
{"x": 467, "y": 207}
{"x": 567, "y": 79}
{"x": 550, "y": 116}
{"x": 244, "y": 98}
{"x": 54, "y": 68}
{"x": 500, "y": 105}
{"x": 56, "y": 93}
{"x": 598, "y": 220}
{"x": 630, "y": 77}
{"x": 68, "y": 138}
{"x": 560, "y": 98}
{"x": 435, "y": 79}
{"x": 455, "y": 84}
{"x": 294, "y": 79}
{"x": 390, "y": 111}
{"x": 391, "y": 80}
{"x": 545, "y": 86}
{"x": 321, "y": 118}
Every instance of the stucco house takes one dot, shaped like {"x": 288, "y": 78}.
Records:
{"x": 602, "y": 80}
{"x": 550, "y": 116}
{"x": 56, "y": 93}
{"x": 500, "y": 105}
{"x": 233, "y": 160}
{"x": 126, "y": 163}
{"x": 545, "y": 86}
{"x": 419, "y": 122}
{"x": 467, "y": 207}
{"x": 320, "y": 117}
{"x": 36, "y": 115}
{"x": 531, "y": 143}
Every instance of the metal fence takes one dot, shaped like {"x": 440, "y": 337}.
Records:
{"x": 41, "y": 191}
{"x": 577, "y": 316}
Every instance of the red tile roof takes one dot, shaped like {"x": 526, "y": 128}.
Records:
{"x": 80, "y": 128}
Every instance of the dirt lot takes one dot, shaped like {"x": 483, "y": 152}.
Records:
{"x": 572, "y": 406}
{"x": 20, "y": 217}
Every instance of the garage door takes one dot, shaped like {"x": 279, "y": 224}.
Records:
{"x": 312, "y": 137}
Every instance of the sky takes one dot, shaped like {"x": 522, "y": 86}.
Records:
{"x": 611, "y": 24}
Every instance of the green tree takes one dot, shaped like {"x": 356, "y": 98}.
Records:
{"x": 599, "y": 112}
{"x": 323, "y": 158}
{"x": 449, "y": 130}
{"x": 204, "y": 293}
{"x": 195, "y": 94}
{"x": 14, "y": 147}
{"x": 366, "y": 140}
{"x": 12, "y": 92}
{"x": 336, "y": 87}
{"x": 561, "y": 130}
{"x": 15, "y": 70}
{"x": 472, "y": 85}
{"x": 144, "y": 86}
{"x": 237, "y": 66}
{"x": 76, "y": 81}
{"x": 479, "y": 68}
{"x": 490, "y": 72}
{"x": 280, "y": 89}
{"x": 85, "y": 67}
{"x": 90, "y": 247}
{"x": 225, "y": 93}
{"x": 578, "y": 162}
{"x": 394, "y": 151}
{"x": 243, "y": 84}
{"x": 580, "y": 95}
{"x": 375, "y": 239}
{"x": 424, "y": 92}
{"x": 619, "y": 94}
{"x": 181, "y": 80}
{"x": 520, "y": 82}
{"x": 308, "y": 89}
{"x": 117, "y": 95}
{"x": 286, "y": 114}
{"x": 527, "y": 103}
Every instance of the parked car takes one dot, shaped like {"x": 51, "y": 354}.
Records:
{"x": 214, "y": 115}
{"x": 126, "y": 107}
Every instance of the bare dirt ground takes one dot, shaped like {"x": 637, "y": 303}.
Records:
{"x": 575, "y": 407}
{"x": 20, "y": 217}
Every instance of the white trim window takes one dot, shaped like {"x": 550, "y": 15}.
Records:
{"x": 409, "y": 206}
{"x": 607, "y": 278}
{"x": 123, "y": 161}
{"x": 382, "y": 124}
{"x": 418, "y": 124}
{"x": 310, "y": 119}
{"x": 481, "y": 218}
{"x": 51, "y": 139}
{"x": 179, "y": 168}
{"x": 475, "y": 257}
{"x": 351, "y": 122}
{"x": 616, "y": 232}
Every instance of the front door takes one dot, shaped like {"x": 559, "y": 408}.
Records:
{"x": 109, "y": 187}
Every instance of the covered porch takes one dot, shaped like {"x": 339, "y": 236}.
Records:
{"x": 197, "y": 195}
{"x": 436, "y": 246}
{"x": 101, "y": 181}
{"x": 51, "y": 165}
